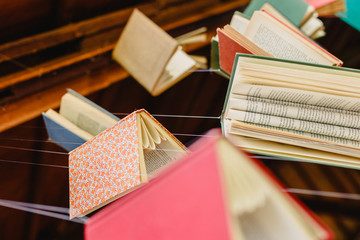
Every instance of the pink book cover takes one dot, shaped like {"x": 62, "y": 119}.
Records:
{"x": 104, "y": 167}
{"x": 319, "y": 3}
{"x": 228, "y": 47}
{"x": 186, "y": 201}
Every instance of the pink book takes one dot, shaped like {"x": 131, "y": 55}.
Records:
{"x": 215, "y": 192}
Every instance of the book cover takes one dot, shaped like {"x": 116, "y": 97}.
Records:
{"x": 228, "y": 47}
{"x": 294, "y": 10}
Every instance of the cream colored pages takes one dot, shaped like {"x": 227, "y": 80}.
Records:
{"x": 282, "y": 42}
{"x": 293, "y": 152}
{"x": 84, "y": 115}
{"x": 260, "y": 208}
{"x": 144, "y": 49}
{"x": 56, "y": 117}
{"x": 179, "y": 66}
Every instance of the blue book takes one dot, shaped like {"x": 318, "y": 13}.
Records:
{"x": 78, "y": 120}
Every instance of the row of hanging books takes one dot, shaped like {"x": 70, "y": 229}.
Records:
{"x": 287, "y": 97}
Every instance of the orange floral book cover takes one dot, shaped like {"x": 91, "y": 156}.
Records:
{"x": 109, "y": 165}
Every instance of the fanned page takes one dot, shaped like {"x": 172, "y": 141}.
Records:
{"x": 160, "y": 148}
{"x": 283, "y": 42}
{"x": 144, "y": 49}
{"x": 262, "y": 105}
{"x": 259, "y": 207}
{"x": 179, "y": 66}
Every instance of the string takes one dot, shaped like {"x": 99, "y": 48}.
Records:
{"x": 349, "y": 196}
{"x": 63, "y": 213}
{"x": 19, "y": 64}
{"x": 40, "y": 209}
{"x": 173, "y": 116}
{"x": 34, "y": 150}
{"x": 30, "y": 163}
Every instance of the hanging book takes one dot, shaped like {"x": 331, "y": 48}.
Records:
{"x": 150, "y": 55}
{"x": 295, "y": 103}
{"x": 266, "y": 35}
{"x": 78, "y": 120}
{"x": 215, "y": 192}
{"x": 117, "y": 160}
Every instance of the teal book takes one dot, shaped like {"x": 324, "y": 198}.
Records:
{"x": 293, "y": 10}
{"x": 352, "y": 14}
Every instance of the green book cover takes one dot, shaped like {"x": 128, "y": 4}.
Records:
{"x": 293, "y": 10}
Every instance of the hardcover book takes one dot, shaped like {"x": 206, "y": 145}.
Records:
{"x": 294, "y": 103}
{"x": 78, "y": 120}
{"x": 117, "y": 160}
{"x": 150, "y": 55}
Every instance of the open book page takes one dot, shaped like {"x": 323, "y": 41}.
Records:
{"x": 84, "y": 115}
{"x": 68, "y": 125}
{"x": 291, "y": 95}
{"x": 179, "y": 66}
{"x": 283, "y": 42}
{"x": 195, "y": 36}
{"x": 239, "y": 22}
{"x": 282, "y": 150}
{"x": 295, "y": 111}
{"x": 270, "y": 72}
{"x": 255, "y": 200}
{"x": 344, "y": 135}
{"x": 293, "y": 138}
{"x": 144, "y": 49}
{"x": 159, "y": 148}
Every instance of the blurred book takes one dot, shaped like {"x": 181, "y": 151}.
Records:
{"x": 153, "y": 57}
{"x": 117, "y": 160}
{"x": 298, "y": 12}
{"x": 294, "y": 103}
{"x": 215, "y": 192}
{"x": 265, "y": 35}
{"x": 327, "y": 8}
{"x": 78, "y": 120}
{"x": 352, "y": 14}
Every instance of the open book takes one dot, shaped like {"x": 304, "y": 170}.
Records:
{"x": 215, "y": 192}
{"x": 295, "y": 103}
{"x": 78, "y": 120}
{"x": 150, "y": 55}
{"x": 117, "y": 160}
{"x": 266, "y": 35}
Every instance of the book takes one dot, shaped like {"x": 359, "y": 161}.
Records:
{"x": 78, "y": 120}
{"x": 295, "y": 103}
{"x": 298, "y": 12}
{"x": 265, "y": 35}
{"x": 150, "y": 55}
{"x": 351, "y": 15}
{"x": 215, "y": 192}
{"x": 327, "y": 8}
{"x": 118, "y": 160}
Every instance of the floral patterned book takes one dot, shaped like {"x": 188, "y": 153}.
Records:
{"x": 117, "y": 160}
